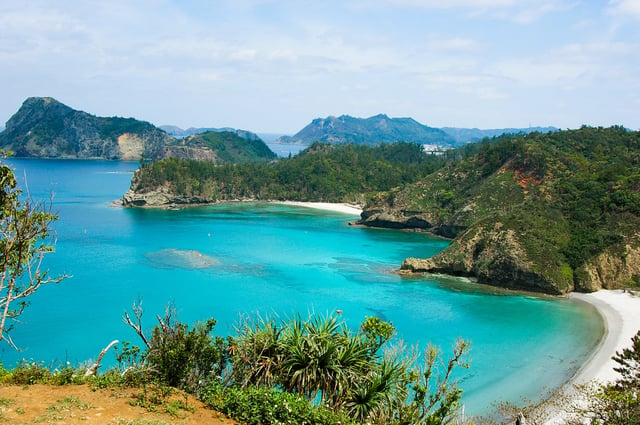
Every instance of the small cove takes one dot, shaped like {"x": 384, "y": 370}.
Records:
{"x": 226, "y": 260}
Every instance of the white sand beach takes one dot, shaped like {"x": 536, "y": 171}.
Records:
{"x": 621, "y": 312}
{"x": 327, "y": 206}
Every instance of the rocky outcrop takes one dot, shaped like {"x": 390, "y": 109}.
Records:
{"x": 160, "y": 198}
{"x": 131, "y": 147}
{"x": 394, "y": 218}
{"x": 494, "y": 255}
{"x": 617, "y": 267}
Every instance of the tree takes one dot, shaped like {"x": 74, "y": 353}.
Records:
{"x": 320, "y": 359}
{"x": 617, "y": 403}
{"x": 24, "y": 240}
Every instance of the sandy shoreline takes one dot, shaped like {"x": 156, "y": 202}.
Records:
{"x": 327, "y": 206}
{"x": 621, "y": 313}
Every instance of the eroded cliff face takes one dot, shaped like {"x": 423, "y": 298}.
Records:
{"x": 160, "y": 198}
{"x": 617, "y": 267}
{"x": 131, "y": 147}
{"x": 394, "y": 218}
{"x": 494, "y": 255}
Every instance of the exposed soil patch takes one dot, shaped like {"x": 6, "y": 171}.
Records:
{"x": 80, "y": 404}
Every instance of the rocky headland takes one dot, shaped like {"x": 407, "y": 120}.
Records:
{"x": 536, "y": 213}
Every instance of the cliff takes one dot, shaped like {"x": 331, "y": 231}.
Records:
{"x": 550, "y": 213}
{"x": 46, "y": 128}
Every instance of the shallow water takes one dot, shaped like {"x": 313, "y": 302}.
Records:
{"x": 227, "y": 260}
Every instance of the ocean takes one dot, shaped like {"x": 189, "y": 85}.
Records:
{"x": 232, "y": 260}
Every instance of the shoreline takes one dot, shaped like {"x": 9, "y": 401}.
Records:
{"x": 620, "y": 311}
{"x": 349, "y": 209}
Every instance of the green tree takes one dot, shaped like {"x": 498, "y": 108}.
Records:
{"x": 320, "y": 359}
{"x": 24, "y": 240}
{"x": 617, "y": 403}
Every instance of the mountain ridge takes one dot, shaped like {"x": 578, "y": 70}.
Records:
{"x": 369, "y": 131}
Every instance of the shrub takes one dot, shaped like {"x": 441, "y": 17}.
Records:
{"x": 266, "y": 406}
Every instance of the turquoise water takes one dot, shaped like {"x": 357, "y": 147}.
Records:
{"x": 228, "y": 260}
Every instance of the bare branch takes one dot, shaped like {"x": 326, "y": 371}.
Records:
{"x": 94, "y": 368}
{"x": 137, "y": 326}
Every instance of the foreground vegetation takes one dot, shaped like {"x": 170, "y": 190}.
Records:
{"x": 313, "y": 371}
{"x": 298, "y": 371}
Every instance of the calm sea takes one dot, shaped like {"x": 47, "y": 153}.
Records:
{"x": 229, "y": 260}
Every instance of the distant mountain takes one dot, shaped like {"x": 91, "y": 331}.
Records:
{"x": 180, "y": 133}
{"x": 463, "y": 136}
{"x": 46, "y": 128}
{"x": 369, "y": 131}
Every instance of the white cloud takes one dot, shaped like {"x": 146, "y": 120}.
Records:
{"x": 452, "y": 45}
{"x": 534, "y": 12}
{"x": 625, "y": 8}
{"x": 570, "y": 66}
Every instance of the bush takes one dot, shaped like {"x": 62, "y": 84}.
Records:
{"x": 266, "y": 406}
{"x": 185, "y": 358}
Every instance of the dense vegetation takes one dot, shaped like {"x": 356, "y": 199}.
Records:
{"x": 560, "y": 199}
{"x": 320, "y": 173}
{"x": 46, "y": 128}
{"x": 230, "y": 147}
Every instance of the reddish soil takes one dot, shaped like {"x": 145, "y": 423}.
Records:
{"x": 80, "y": 404}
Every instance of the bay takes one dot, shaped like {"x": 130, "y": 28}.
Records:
{"x": 229, "y": 260}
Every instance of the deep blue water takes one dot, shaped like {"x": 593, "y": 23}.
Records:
{"x": 224, "y": 261}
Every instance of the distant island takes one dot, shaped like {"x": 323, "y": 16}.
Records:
{"x": 46, "y": 128}
{"x": 551, "y": 213}
{"x": 382, "y": 129}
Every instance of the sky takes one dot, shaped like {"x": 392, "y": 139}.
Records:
{"x": 273, "y": 66}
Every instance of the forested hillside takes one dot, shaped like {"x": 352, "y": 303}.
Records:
{"x": 46, "y": 128}
{"x": 320, "y": 173}
{"x": 552, "y": 213}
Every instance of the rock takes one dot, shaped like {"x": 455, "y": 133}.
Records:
{"x": 495, "y": 256}
{"x": 617, "y": 267}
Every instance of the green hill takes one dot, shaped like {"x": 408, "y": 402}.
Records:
{"x": 230, "y": 147}
{"x": 328, "y": 173}
{"x": 552, "y": 213}
{"x": 46, "y": 128}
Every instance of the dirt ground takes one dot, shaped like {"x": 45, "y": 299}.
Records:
{"x": 80, "y": 404}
